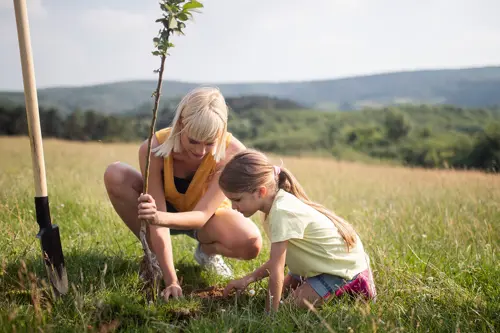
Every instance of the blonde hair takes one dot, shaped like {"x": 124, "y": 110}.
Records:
{"x": 250, "y": 169}
{"x": 202, "y": 113}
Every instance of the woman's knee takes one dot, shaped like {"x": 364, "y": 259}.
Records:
{"x": 234, "y": 232}
{"x": 251, "y": 248}
{"x": 113, "y": 175}
{"x": 119, "y": 175}
{"x": 249, "y": 244}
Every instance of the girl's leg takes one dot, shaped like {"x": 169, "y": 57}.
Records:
{"x": 317, "y": 290}
{"x": 305, "y": 292}
{"x": 290, "y": 283}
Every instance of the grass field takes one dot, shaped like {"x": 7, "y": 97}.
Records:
{"x": 433, "y": 238}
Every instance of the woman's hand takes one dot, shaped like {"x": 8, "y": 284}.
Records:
{"x": 147, "y": 209}
{"x": 238, "y": 285}
{"x": 174, "y": 290}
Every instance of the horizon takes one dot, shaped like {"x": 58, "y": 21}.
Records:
{"x": 75, "y": 86}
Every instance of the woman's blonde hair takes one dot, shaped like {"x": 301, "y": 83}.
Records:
{"x": 250, "y": 169}
{"x": 202, "y": 113}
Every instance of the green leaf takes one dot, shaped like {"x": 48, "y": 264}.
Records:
{"x": 174, "y": 9}
{"x": 192, "y": 5}
{"x": 173, "y": 23}
{"x": 156, "y": 53}
{"x": 183, "y": 17}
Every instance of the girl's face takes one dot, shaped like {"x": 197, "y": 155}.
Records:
{"x": 195, "y": 149}
{"x": 246, "y": 203}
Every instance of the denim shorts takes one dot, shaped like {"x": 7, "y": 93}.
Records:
{"x": 324, "y": 285}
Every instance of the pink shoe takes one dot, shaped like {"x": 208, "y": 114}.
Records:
{"x": 363, "y": 284}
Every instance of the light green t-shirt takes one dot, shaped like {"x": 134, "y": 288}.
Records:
{"x": 314, "y": 243}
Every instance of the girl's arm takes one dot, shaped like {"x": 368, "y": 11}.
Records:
{"x": 207, "y": 205}
{"x": 274, "y": 268}
{"x": 241, "y": 284}
{"x": 276, "y": 275}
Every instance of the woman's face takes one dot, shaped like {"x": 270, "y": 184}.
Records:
{"x": 195, "y": 149}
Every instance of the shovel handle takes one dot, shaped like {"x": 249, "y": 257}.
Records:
{"x": 31, "y": 98}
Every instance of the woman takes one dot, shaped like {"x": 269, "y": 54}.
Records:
{"x": 184, "y": 192}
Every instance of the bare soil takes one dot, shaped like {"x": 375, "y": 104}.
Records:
{"x": 209, "y": 293}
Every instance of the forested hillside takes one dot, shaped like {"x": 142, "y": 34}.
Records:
{"x": 469, "y": 87}
{"x": 429, "y": 136}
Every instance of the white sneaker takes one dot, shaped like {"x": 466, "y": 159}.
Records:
{"x": 214, "y": 262}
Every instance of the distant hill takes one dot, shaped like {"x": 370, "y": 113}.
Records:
{"x": 470, "y": 87}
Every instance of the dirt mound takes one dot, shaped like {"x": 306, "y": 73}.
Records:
{"x": 210, "y": 292}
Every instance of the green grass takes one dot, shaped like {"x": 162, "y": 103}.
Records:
{"x": 433, "y": 238}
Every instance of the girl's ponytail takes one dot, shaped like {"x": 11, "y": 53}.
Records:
{"x": 250, "y": 169}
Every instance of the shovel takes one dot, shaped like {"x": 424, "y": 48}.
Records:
{"x": 48, "y": 234}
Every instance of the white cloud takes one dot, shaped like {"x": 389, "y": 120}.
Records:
{"x": 35, "y": 7}
{"x": 260, "y": 40}
{"x": 106, "y": 20}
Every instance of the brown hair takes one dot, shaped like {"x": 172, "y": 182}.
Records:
{"x": 250, "y": 169}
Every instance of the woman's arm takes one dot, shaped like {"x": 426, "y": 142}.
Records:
{"x": 276, "y": 274}
{"x": 207, "y": 205}
{"x": 159, "y": 237}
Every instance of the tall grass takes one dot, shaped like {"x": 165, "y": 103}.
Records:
{"x": 433, "y": 238}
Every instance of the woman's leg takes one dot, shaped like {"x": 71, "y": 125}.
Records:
{"x": 227, "y": 233}
{"x": 124, "y": 185}
{"x": 230, "y": 234}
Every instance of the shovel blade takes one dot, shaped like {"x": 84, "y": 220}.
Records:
{"x": 50, "y": 240}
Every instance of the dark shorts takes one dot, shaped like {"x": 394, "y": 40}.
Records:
{"x": 191, "y": 233}
{"x": 174, "y": 232}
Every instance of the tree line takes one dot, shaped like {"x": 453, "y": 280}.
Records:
{"x": 433, "y": 136}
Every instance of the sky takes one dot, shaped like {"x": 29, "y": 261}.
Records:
{"x": 87, "y": 42}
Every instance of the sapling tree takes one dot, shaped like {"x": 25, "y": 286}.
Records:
{"x": 174, "y": 15}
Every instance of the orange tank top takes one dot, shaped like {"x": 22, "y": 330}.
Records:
{"x": 187, "y": 201}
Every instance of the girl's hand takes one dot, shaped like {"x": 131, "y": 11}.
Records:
{"x": 238, "y": 285}
{"x": 147, "y": 209}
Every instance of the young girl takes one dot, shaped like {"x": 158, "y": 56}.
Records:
{"x": 324, "y": 254}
